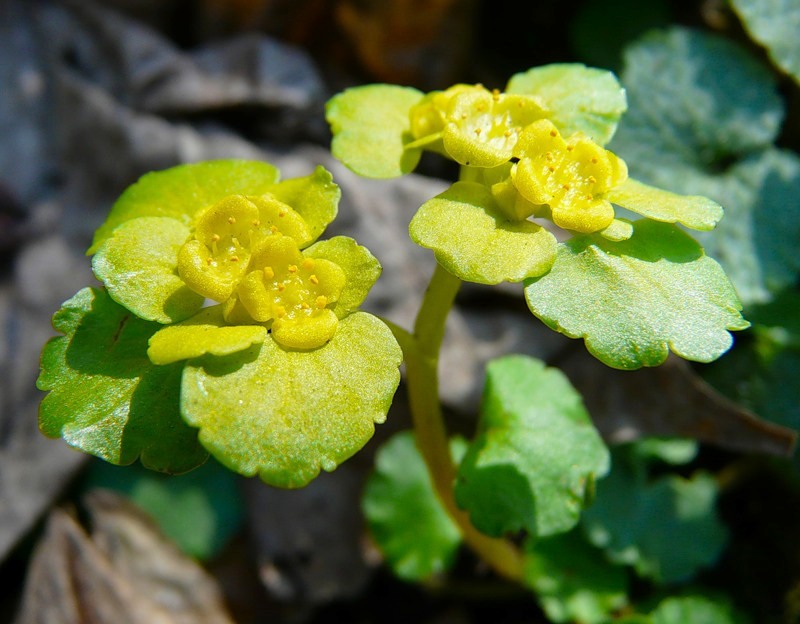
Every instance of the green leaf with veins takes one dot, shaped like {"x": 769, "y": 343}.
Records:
{"x": 405, "y": 517}
{"x": 179, "y": 192}
{"x": 578, "y": 98}
{"x": 700, "y": 110}
{"x": 696, "y": 212}
{"x": 573, "y": 581}
{"x": 634, "y": 301}
{"x": 473, "y": 239}
{"x": 667, "y": 529}
{"x": 206, "y": 332}
{"x": 314, "y": 197}
{"x": 105, "y": 396}
{"x": 285, "y": 414}
{"x": 371, "y": 128}
{"x": 360, "y": 266}
{"x": 536, "y": 456}
{"x": 774, "y": 24}
{"x": 138, "y": 265}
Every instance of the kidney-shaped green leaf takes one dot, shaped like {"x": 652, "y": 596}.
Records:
{"x": 536, "y": 456}
{"x": 284, "y": 414}
{"x": 371, "y": 127}
{"x": 105, "y": 396}
{"x": 476, "y": 242}
{"x": 179, "y": 192}
{"x": 407, "y": 521}
{"x": 138, "y": 264}
{"x": 634, "y": 301}
{"x": 578, "y": 98}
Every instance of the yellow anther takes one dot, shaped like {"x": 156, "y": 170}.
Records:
{"x": 592, "y": 180}
{"x": 231, "y": 220}
{"x": 282, "y": 213}
{"x": 269, "y": 273}
{"x": 273, "y": 229}
{"x": 477, "y": 131}
{"x": 495, "y": 94}
{"x": 314, "y": 280}
{"x": 256, "y": 223}
{"x": 281, "y": 287}
{"x": 549, "y": 156}
{"x": 551, "y": 169}
{"x": 209, "y": 261}
{"x": 565, "y": 187}
{"x": 321, "y": 301}
{"x": 308, "y": 263}
{"x": 570, "y": 148}
{"x": 507, "y": 133}
{"x": 214, "y": 238}
{"x": 234, "y": 258}
{"x": 292, "y": 268}
{"x": 279, "y": 311}
{"x": 553, "y": 133}
{"x": 305, "y": 306}
{"x": 590, "y": 197}
{"x": 594, "y": 161}
{"x": 464, "y": 115}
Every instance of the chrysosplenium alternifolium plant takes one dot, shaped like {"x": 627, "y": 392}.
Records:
{"x": 282, "y": 376}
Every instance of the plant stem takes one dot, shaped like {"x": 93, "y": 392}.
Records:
{"x": 422, "y": 360}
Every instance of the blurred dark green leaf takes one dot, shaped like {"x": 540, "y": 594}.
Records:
{"x": 199, "y": 511}
{"x": 536, "y": 456}
{"x": 775, "y": 25}
{"x": 407, "y": 521}
{"x": 695, "y": 610}
{"x": 574, "y": 582}
{"x": 666, "y": 529}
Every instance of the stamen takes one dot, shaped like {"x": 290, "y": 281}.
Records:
{"x": 553, "y": 133}
{"x": 321, "y": 301}
{"x": 268, "y": 272}
{"x": 308, "y": 263}
{"x": 231, "y": 220}
{"x": 549, "y": 156}
{"x": 256, "y": 223}
{"x": 305, "y": 306}
{"x": 570, "y": 148}
{"x": 273, "y": 229}
{"x": 594, "y": 161}
{"x": 314, "y": 280}
{"x": 477, "y": 131}
{"x": 292, "y": 268}
{"x": 282, "y": 213}
{"x": 565, "y": 187}
{"x": 214, "y": 238}
{"x": 234, "y": 258}
{"x": 279, "y": 311}
{"x": 592, "y": 180}
{"x": 281, "y": 286}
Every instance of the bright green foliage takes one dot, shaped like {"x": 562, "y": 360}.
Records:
{"x": 285, "y": 414}
{"x": 298, "y": 377}
{"x": 199, "y": 511}
{"x": 137, "y": 264}
{"x": 573, "y": 581}
{"x": 371, "y": 128}
{"x": 577, "y": 98}
{"x": 702, "y": 119}
{"x": 186, "y": 188}
{"x": 536, "y": 456}
{"x": 487, "y": 248}
{"x": 106, "y": 397}
{"x": 634, "y": 301}
{"x": 695, "y": 610}
{"x": 667, "y": 529}
{"x": 406, "y": 519}
{"x": 774, "y": 24}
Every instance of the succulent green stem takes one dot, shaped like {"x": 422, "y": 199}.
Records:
{"x": 421, "y": 352}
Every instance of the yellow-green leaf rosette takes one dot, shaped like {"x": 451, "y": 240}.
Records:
{"x": 282, "y": 375}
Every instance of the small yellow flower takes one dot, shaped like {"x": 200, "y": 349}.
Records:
{"x": 570, "y": 176}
